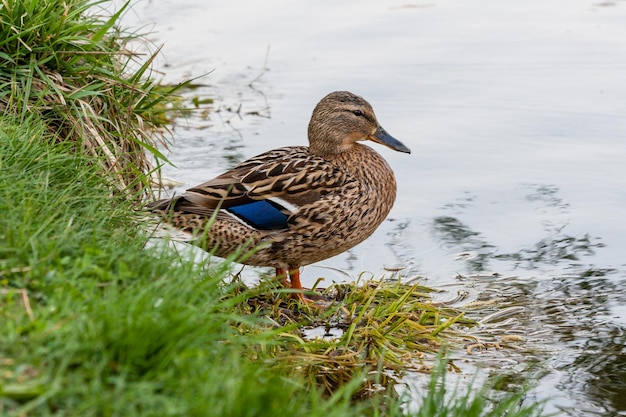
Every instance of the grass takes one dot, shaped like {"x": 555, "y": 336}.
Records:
{"x": 376, "y": 325}
{"x": 70, "y": 65}
{"x": 93, "y": 323}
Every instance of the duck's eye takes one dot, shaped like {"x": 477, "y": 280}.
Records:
{"x": 358, "y": 113}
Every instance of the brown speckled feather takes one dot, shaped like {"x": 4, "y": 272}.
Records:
{"x": 289, "y": 173}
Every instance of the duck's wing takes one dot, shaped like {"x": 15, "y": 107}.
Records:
{"x": 265, "y": 191}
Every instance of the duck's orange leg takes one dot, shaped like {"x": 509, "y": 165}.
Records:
{"x": 281, "y": 273}
{"x": 291, "y": 279}
{"x": 311, "y": 300}
{"x": 294, "y": 277}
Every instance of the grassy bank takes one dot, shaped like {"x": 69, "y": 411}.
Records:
{"x": 93, "y": 323}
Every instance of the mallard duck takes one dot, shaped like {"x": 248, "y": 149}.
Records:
{"x": 299, "y": 204}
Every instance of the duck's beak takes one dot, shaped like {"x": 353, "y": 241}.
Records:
{"x": 381, "y": 136}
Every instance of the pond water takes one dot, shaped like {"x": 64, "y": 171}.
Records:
{"x": 516, "y": 116}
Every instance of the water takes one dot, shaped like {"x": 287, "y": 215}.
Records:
{"x": 515, "y": 113}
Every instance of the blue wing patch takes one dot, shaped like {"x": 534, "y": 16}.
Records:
{"x": 262, "y": 214}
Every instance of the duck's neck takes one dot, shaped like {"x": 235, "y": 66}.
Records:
{"x": 324, "y": 150}
{"x": 368, "y": 167}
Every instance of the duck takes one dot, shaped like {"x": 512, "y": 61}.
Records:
{"x": 296, "y": 205}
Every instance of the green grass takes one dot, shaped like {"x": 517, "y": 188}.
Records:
{"x": 389, "y": 326}
{"x": 68, "y": 62}
{"x": 93, "y": 323}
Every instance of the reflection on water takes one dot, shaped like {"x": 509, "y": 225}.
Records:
{"x": 556, "y": 248}
{"x": 565, "y": 339}
{"x": 600, "y": 369}
{"x": 591, "y": 349}
{"x": 553, "y": 250}
{"x": 567, "y": 321}
{"x": 453, "y": 232}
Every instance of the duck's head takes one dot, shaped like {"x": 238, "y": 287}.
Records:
{"x": 340, "y": 120}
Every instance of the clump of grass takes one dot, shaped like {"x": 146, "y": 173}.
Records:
{"x": 71, "y": 66}
{"x": 379, "y": 326}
